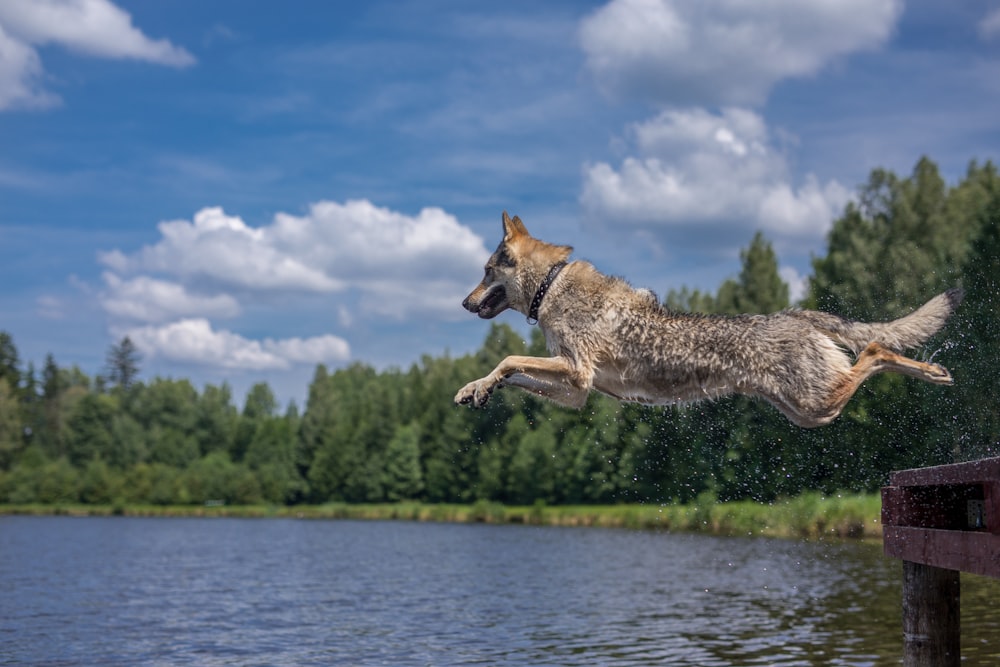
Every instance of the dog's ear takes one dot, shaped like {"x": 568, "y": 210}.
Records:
{"x": 512, "y": 228}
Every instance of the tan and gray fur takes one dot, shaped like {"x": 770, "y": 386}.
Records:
{"x": 606, "y": 335}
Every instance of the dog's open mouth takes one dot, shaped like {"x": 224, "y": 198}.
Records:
{"x": 494, "y": 303}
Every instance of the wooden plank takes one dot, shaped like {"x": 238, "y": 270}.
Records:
{"x": 955, "y": 473}
{"x": 968, "y": 551}
{"x": 931, "y": 618}
{"x": 940, "y": 506}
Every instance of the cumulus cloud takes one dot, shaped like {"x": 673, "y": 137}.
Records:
{"x": 225, "y": 250}
{"x": 194, "y": 341}
{"x": 398, "y": 263}
{"x": 358, "y": 240}
{"x": 724, "y": 52}
{"x": 698, "y": 168}
{"x": 95, "y": 28}
{"x": 147, "y": 299}
{"x": 365, "y": 261}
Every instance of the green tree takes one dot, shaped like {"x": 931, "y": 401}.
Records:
{"x": 10, "y": 424}
{"x": 58, "y": 482}
{"x": 171, "y": 447}
{"x": 122, "y": 363}
{"x": 128, "y": 442}
{"x": 51, "y": 426}
{"x": 259, "y": 406}
{"x": 216, "y": 478}
{"x": 20, "y": 485}
{"x": 340, "y": 462}
{"x": 215, "y": 420}
{"x": 902, "y": 242}
{"x": 168, "y": 410}
{"x": 10, "y": 363}
{"x": 533, "y": 467}
{"x": 313, "y": 423}
{"x": 977, "y": 384}
{"x": 761, "y": 289}
{"x": 271, "y": 456}
{"x": 90, "y": 428}
{"x": 591, "y": 448}
{"x": 691, "y": 301}
{"x": 905, "y": 240}
{"x": 100, "y": 484}
{"x": 403, "y": 478}
{"x": 165, "y": 484}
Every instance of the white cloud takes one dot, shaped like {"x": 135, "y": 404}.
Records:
{"x": 146, "y": 299}
{"x": 678, "y": 52}
{"x": 696, "y": 168}
{"x": 366, "y": 262}
{"x": 222, "y": 249}
{"x": 358, "y": 240}
{"x": 195, "y": 341}
{"x": 95, "y": 28}
{"x": 314, "y": 350}
{"x": 798, "y": 284}
{"x": 20, "y": 73}
{"x": 989, "y": 26}
{"x": 806, "y": 210}
{"x": 399, "y": 263}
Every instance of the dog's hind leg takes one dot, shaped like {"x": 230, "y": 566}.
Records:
{"x": 873, "y": 359}
{"x": 551, "y": 377}
{"x": 877, "y": 359}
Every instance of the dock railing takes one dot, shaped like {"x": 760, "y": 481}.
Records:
{"x": 940, "y": 521}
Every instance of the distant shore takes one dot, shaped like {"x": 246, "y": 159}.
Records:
{"x": 810, "y": 515}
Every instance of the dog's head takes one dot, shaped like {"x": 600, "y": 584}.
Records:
{"x": 513, "y": 271}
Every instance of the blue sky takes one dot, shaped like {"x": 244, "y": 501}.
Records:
{"x": 248, "y": 189}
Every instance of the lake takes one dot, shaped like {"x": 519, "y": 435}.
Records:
{"x": 124, "y": 591}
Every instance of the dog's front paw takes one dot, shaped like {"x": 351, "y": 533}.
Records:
{"x": 476, "y": 393}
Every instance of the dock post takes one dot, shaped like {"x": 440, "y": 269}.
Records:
{"x": 931, "y": 618}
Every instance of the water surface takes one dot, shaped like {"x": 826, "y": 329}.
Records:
{"x": 123, "y": 591}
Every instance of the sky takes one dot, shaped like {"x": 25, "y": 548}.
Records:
{"x": 249, "y": 189}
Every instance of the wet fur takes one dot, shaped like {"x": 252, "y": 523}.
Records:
{"x": 606, "y": 335}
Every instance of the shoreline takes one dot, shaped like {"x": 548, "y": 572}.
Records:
{"x": 811, "y": 515}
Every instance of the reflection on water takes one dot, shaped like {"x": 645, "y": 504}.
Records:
{"x": 221, "y": 591}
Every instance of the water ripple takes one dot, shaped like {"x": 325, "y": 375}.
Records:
{"x": 211, "y": 592}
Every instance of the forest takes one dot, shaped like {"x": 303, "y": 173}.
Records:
{"x": 384, "y": 436}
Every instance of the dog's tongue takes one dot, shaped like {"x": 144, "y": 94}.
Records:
{"x": 488, "y": 308}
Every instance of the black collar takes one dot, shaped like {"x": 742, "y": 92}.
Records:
{"x": 536, "y": 303}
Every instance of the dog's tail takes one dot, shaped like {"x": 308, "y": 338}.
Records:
{"x": 907, "y": 332}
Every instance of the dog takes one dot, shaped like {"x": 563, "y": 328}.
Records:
{"x": 607, "y": 336}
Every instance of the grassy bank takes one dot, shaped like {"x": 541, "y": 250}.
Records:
{"x": 808, "y": 515}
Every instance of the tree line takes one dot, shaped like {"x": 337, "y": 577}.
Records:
{"x": 376, "y": 436}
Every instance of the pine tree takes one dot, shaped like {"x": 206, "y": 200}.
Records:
{"x": 122, "y": 366}
{"x": 9, "y": 362}
{"x": 759, "y": 288}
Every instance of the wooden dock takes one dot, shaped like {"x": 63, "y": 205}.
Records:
{"x": 940, "y": 521}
